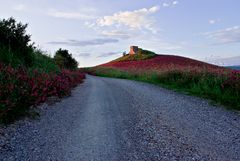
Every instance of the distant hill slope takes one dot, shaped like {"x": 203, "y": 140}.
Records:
{"x": 234, "y": 67}
{"x": 161, "y": 63}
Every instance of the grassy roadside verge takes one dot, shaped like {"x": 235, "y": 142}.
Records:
{"x": 222, "y": 89}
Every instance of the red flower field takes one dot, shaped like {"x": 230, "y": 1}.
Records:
{"x": 21, "y": 89}
{"x": 164, "y": 63}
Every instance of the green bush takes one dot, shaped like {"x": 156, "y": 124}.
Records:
{"x": 65, "y": 60}
{"x": 146, "y": 52}
{"x": 43, "y": 62}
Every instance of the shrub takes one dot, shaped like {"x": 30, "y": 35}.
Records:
{"x": 146, "y": 52}
{"x": 43, "y": 62}
{"x": 65, "y": 60}
{"x": 20, "y": 89}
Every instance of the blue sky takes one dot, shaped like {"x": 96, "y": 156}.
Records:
{"x": 98, "y": 31}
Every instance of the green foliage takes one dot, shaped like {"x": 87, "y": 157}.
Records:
{"x": 146, "y": 52}
{"x": 65, "y": 60}
{"x": 15, "y": 42}
{"x": 202, "y": 84}
{"x": 108, "y": 72}
{"x": 43, "y": 62}
{"x": 16, "y": 50}
{"x": 141, "y": 55}
{"x": 9, "y": 57}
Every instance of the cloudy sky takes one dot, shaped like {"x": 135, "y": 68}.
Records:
{"x": 96, "y": 31}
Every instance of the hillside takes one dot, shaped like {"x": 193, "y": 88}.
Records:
{"x": 237, "y": 67}
{"x": 160, "y": 63}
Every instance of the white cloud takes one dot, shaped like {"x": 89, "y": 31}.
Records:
{"x": 89, "y": 24}
{"x": 225, "y": 36}
{"x": 137, "y": 19}
{"x": 165, "y": 4}
{"x": 154, "y": 9}
{"x": 20, "y": 7}
{"x": 214, "y": 21}
{"x": 69, "y": 15}
{"x": 175, "y": 2}
{"x": 169, "y": 4}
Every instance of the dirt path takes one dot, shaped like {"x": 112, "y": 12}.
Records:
{"x": 111, "y": 119}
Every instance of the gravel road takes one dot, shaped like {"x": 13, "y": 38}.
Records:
{"x": 109, "y": 119}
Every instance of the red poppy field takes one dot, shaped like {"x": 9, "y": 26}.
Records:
{"x": 195, "y": 77}
{"x": 164, "y": 63}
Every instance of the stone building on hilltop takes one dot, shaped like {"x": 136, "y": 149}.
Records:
{"x": 133, "y": 50}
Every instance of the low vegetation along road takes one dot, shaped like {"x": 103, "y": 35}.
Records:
{"x": 114, "y": 119}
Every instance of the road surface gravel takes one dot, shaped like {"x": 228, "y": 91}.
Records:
{"x": 108, "y": 119}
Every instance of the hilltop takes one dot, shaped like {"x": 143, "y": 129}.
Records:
{"x": 139, "y": 59}
{"x": 140, "y": 54}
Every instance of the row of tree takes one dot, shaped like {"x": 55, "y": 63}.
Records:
{"x": 16, "y": 48}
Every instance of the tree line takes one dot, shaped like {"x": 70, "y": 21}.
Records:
{"x": 17, "y": 50}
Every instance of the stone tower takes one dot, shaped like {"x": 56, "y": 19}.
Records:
{"x": 133, "y": 50}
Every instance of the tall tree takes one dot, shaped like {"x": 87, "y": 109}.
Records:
{"x": 15, "y": 40}
{"x": 65, "y": 60}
